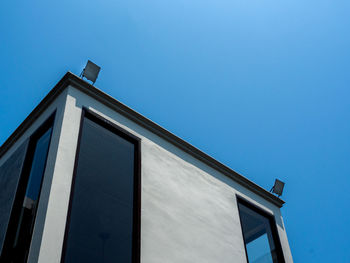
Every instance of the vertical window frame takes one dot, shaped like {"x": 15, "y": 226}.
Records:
{"x": 23, "y": 184}
{"x": 273, "y": 225}
{"x": 136, "y": 231}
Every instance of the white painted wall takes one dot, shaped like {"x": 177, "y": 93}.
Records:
{"x": 189, "y": 210}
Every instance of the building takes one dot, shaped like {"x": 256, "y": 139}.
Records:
{"x": 84, "y": 178}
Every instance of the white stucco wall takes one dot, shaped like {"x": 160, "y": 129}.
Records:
{"x": 189, "y": 210}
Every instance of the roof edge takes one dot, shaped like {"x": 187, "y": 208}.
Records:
{"x": 71, "y": 79}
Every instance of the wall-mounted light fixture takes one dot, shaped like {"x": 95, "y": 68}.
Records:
{"x": 278, "y": 187}
{"x": 90, "y": 71}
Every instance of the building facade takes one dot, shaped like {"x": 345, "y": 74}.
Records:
{"x": 85, "y": 178}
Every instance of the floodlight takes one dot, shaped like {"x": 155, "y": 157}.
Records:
{"x": 278, "y": 187}
{"x": 90, "y": 71}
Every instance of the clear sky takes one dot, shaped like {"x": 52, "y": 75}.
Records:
{"x": 261, "y": 85}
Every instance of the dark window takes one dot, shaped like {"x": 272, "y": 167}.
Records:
{"x": 102, "y": 224}
{"x": 10, "y": 173}
{"x": 20, "y": 228}
{"x": 260, "y": 235}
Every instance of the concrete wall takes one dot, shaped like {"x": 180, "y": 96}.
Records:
{"x": 189, "y": 210}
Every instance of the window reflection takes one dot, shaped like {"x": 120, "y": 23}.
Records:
{"x": 37, "y": 171}
{"x": 258, "y": 236}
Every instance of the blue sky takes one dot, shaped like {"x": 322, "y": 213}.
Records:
{"x": 261, "y": 85}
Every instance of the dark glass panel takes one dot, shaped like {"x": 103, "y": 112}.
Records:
{"x": 10, "y": 173}
{"x": 101, "y": 216}
{"x": 258, "y": 236}
{"x": 27, "y": 190}
{"x": 29, "y": 206}
{"x": 37, "y": 169}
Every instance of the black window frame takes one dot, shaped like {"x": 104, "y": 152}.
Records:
{"x": 136, "y": 232}
{"x": 273, "y": 225}
{"x": 6, "y": 254}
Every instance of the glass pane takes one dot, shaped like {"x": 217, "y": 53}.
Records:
{"x": 37, "y": 170}
{"x": 10, "y": 173}
{"x": 259, "y": 251}
{"x": 28, "y": 212}
{"x": 101, "y": 217}
{"x": 258, "y": 237}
